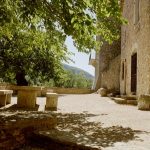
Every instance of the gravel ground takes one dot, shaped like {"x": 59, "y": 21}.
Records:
{"x": 115, "y": 119}
{"x": 100, "y": 123}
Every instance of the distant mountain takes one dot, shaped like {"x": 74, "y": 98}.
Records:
{"x": 76, "y": 70}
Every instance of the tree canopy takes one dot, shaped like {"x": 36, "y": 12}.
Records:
{"x": 33, "y": 33}
{"x": 20, "y": 56}
{"x": 76, "y": 18}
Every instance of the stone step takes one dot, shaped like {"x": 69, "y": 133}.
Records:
{"x": 125, "y": 101}
{"x": 129, "y": 97}
{"x": 132, "y": 102}
{"x": 120, "y": 100}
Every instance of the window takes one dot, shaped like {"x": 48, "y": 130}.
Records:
{"x": 136, "y": 11}
{"x": 123, "y": 70}
{"x": 134, "y": 73}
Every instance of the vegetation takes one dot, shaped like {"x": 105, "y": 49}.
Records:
{"x": 21, "y": 56}
{"x": 70, "y": 80}
{"x": 33, "y": 34}
{"x": 69, "y": 17}
{"x": 78, "y": 81}
{"x": 77, "y": 70}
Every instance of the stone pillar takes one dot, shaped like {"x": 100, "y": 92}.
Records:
{"x": 144, "y": 102}
{"x": 8, "y": 99}
{"x": 5, "y": 97}
{"x": 2, "y": 100}
{"x": 26, "y": 98}
{"x": 51, "y": 101}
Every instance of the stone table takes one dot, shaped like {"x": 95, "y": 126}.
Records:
{"x": 27, "y": 96}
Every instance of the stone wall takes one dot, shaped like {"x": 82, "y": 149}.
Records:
{"x": 97, "y": 79}
{"x": 107, "y": 55}
{"x": 110, "y": 78}
{"x": 135, "y": 38}
{"x": 15, "y": 127}
{"x": 72, "y": 90}
{"x": 42, "y": 90}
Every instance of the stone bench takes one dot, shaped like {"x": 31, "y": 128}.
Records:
{"x": 5, "y": 97}
{"x": 144, "y": 102}
{"x": 51, "y": 101}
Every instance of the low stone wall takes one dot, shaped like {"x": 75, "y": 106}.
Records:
{"x": 67, "y": 90}
{"x": 41, "y": 91}
{"x": 16, "y": 127}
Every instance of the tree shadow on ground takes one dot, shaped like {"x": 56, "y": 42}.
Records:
{"x": 75, "y": 132}
{"x": 92, "y": 133}
{"x": 14, "y": 107}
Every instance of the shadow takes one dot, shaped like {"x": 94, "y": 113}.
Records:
{"x": 75, "y": 132}
{"x": 85, "y": 132}
{"x": 51, "y": 109}
{"x": 14, "y": 107}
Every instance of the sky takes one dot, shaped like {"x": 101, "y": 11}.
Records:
{"x": 80, "y": 59}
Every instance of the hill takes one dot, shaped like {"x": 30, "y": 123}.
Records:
{"x": 76, "y": 70}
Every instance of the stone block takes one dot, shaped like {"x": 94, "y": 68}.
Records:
{"x": 132, "y": 102}
{"x": 144, "y": 102}
{"x": 26, "y": 98}
{"x": 8, "y": 99}
{"x": 51, "y": 100}
{"x": 129, "y": 97}
{"x": 5, "y": 97}
{"x": 102, "y": 92}
{"x": 120, "y": 101}
{"x": 2, "y": 100}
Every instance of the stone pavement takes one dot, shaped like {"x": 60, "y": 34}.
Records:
{"x": 111, "y": 114}
{"x": 100, "y": 123}
{"x": 103, "y": 117}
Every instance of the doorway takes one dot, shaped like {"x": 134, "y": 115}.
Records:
{"x": 134, "y": 73}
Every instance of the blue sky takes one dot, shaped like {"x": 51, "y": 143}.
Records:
{"x": 81, "y": 60}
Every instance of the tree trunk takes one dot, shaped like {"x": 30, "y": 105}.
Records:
{"x": 20, "y": 79}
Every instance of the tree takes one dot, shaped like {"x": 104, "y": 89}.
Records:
{"x": 33, "y": 33}
{"x": 31, "y": 53}
{"x": 76, "y": 18}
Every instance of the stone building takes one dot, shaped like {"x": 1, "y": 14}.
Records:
{"x": 107, "y": 66}
{"x": 129, "y": 70}
{"x": 135, "y": 48}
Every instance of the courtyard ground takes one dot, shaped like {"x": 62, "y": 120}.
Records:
{"x": 100, "y": 123}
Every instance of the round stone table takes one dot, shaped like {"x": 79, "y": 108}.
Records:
{"x": 27, "y": 96}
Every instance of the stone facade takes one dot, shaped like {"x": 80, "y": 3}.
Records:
{"x": 97, "y": 79}
{"x": 110, "y": 78}
{"x": 135, "y": 39}
{"x": 135, "y": 53}
{"x": 107, "y": 67}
